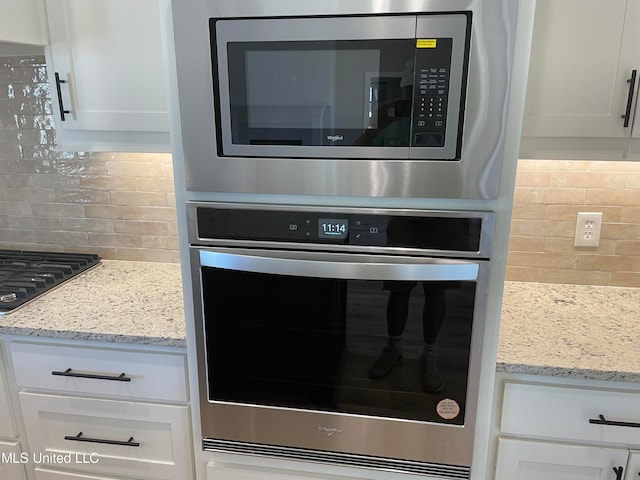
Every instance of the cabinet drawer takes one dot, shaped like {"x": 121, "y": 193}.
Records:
{"x": 157, "y": 376}
{"x": 569, "y": 413}
{"x": 108, "y": 436}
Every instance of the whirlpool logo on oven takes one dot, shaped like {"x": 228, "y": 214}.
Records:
{"x": 330, "y": 431}
{"x": 335, "y": 138}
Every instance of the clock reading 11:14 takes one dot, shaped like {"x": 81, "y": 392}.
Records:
{"x": 333, "y": 228}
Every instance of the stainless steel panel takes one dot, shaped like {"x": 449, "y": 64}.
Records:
{"x": 475, "y": 176}
{"x": 346, "y": 433}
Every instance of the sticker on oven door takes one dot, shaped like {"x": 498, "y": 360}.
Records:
{"x": 448, "y": 409}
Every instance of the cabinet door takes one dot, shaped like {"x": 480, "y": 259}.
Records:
{"x": 109, "y": 59}
{"x": 129, "y": 439}
{"x": 633, "y": 467}
{"x": 529, "y": 460}
{"x": 11, "y": 464}
{"x": 582, "y": 55}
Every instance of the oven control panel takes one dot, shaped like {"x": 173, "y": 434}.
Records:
{"x": 439, "y": 232}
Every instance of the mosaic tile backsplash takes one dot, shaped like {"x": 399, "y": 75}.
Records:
{"x": 118, "y": 205}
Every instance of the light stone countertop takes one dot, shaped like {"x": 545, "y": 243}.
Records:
{"x": 116, "y": 301}
{"x": 570, "y": 331}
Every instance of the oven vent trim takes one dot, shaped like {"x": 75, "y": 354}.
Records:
{"x": 452, "y": 472}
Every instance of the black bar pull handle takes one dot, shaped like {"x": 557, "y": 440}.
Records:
{"x": 632, "y": 86}
{"x": 619, "y": 471}
{"x": 70, "y": 373}
{"x": 603, "y": 421}
{"x": 60, "y": 104}
{"x": 80, "y": 438}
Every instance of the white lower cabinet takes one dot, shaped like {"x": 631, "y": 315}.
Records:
{"x": 578, "y": 430}
{"x": 11, "y": 461}
{"x": 534, "y": 460}
{"x": 96, "y": 412}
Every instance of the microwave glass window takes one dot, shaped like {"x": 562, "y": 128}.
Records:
{"x": 321, "y": 93}
{"x": 328, "y": 345}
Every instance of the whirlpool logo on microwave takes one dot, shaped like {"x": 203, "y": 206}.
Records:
{"x": 335, "y": 138}
{"x": 330, "y": 431}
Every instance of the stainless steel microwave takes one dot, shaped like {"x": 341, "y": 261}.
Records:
{"x": 359, "y": 98}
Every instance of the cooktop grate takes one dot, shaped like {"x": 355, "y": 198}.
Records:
{"x": 24, "y": 275}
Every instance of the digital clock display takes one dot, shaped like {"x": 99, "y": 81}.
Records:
{"x": 333, "y": 228}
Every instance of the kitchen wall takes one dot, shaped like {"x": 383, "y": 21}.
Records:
{"x": 119, "y": 205}
{"x": 549, "y": 194}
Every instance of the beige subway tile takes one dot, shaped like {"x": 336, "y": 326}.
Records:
{"x": 15, "y": 208}
{"x": 589, "y": 179}
{"x": 608, "y": 263}
{"x": 612, "y": 197}
{"x": 528, "y": 195}
{"x": 570, "y": 212}
{"x": 165, "y": 214}
{"x": 620, "y": 231}
{"x": 13, "y": 179}
{"x": 33, "y": 223}
{"x": 59, "y": 210}
{"x": 633, "y": 182}
{"x": 116, "y": 212}
{"x": 627, "y": 247}
{"x": 160, "y": 242}
{"x": 141, "y": 227}
{"x": 148, "y": 255}
{"x": 115, "y": 240}
{"x": 518, "y": 243}
{"x": 542, "y": 228}
{"x": 615, "y": 166}
{"x": 154, "y": 184}
{"x": 108, "y": 183}
{"x": 625, "y": 279}
{"x": 28, "y": 194}
{"x": 521, "y": 274}
{"x": 138, "y": 198}
{"x": 630, "y": 215}
{"x": 82, "y": 196}
{"x": 542, "y": 260}
{"x": 529, "y": 211}
{"x": 572, "y": 277}
{"x": 567, "y": 196}
{"x": 127, "y": 168}
{"x": 60, "y": 238}
{"x": 533, "y": 178}
{"x": 87, "y": 225}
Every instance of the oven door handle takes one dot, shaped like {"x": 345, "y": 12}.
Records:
{"x": 346, "y": 267}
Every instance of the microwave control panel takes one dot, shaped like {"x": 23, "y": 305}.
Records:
{"x": 431, "y": 91}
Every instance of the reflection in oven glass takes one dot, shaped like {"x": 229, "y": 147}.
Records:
{"x": 385, "y": 349}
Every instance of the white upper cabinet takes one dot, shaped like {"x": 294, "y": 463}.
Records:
{"x": 107, "y": 73}
{"x": 20, "y": 22}
{"x": 584, "y": 53}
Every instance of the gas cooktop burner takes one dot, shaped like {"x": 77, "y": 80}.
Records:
{"x": 25, "y": 275}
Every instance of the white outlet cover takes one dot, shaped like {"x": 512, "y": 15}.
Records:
{"x": 588, "y": 228}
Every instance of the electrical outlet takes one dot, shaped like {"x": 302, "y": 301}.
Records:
{"x": 588, "y": 229}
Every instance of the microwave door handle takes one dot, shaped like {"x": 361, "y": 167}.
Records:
{"x": 437, "y": 270}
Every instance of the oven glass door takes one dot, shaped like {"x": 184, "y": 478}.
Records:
{"x": 368, "y": 335}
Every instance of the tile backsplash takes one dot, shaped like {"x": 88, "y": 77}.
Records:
{"x": 119, "y": 205}
{"x": 548, "y": 196}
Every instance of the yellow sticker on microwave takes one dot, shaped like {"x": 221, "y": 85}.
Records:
{"x": 426, "y": 43}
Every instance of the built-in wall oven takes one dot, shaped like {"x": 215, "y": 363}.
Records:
{"x": 347, "y": 335}
{"x": 374, "y": 99}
